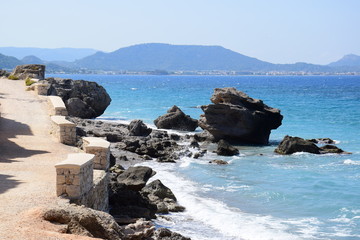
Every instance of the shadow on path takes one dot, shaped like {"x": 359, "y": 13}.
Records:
{"x": 7, "y": 183}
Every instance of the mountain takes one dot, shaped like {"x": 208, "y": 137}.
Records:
{"x": 7, "y": 62}
{"x": 157, "y": 56}
{"x": 347, "y": 60}
{"x": 32, "y": 60}
{"x": 48, "y": 54}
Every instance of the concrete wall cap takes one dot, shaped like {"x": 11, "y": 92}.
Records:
{"x": 61, "y": 120}
{"x": 76, "y": 160}
{"x": 96, "y": 142}
{"x": 57, "y": 102}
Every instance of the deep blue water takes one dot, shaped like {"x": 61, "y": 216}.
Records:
{"x": 259, "y": 195}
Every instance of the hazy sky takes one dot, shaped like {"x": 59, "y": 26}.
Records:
{"x": 278, "y": 31}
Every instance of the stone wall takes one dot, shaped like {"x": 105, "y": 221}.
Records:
{"x": 101, "y": 149}
{"x": 63, "y": 130}
{"x": 57, "y": 106}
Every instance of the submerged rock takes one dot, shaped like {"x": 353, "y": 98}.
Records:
{"x": 219, "y": 162}
{"x": 225, "y": 149}
{"x": 135, "y": 178}
{"x": 236, "y": 116}
{"x": 177, "y": 120}
{"x": 82, "y": 99}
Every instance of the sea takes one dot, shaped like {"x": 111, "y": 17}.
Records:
{"x": 259, "y": 194}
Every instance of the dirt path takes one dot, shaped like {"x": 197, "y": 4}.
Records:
{"x": 27, "y": 158}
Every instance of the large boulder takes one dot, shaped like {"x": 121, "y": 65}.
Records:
{"x": 135, "y": 178}
{"x": 162, "y": 196}
{"x": 237, "y": 117}
{"x": 290, "y": 145}
{"x": 177, "y": 120}
{"x": 225, "y": 149}
{"x": 29, "y": 71}
{"x": 82, "y": 99}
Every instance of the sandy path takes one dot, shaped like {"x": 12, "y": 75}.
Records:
{"x": 27, "y": 158}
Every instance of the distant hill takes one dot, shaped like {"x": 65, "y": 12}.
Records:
{"x": 7, "y": 62}
{"x": 32, "y": 60}
{"x": 157, "y": 56}
{"x": 48, "y": 54}
{"x": 347, "y": 60}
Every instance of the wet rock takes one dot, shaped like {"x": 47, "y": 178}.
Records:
{"x": 166, "y": 234}
{"x": 322, "y": 141}
{"x": 176, "y": 119}
{"x": 237, "y": 117}
{"x": 135, "y": 178}
{"x": 162, "y": 196}
{"x": 138, "y": 128}
{"x": 290, "y": 145}
{"x": 200, "y": 154}
{"x": 332, "y": 149}
{"x": 219, "y": 162}
{"x": 194, "y": 144}
{"x": 139, "y": 230}
{"x": 225, "y": 149}
{"x": 29, "y": 71}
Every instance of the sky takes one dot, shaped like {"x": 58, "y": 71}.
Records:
{"x": 277, "y": 31}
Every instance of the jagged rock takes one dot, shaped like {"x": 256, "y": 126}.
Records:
{"x": 29, "y": 71}
{"x": 166, "y": 234}
{"x": 139, "y": 230}
{"x": 219, "y": 162}
{"x": 225, "y": 149}
{"x": 128, "y": 203}
{"x": 176, "y": 119}
{"x": 194, "y": 144}
{"x": 138, "y": 128}
{"x": 290, "y": 145}
{"x": 322, "y": 141}
{"x": 85, "y": 221}
{"x": 332, "y": 149}
{"x": 82, "y": 99}
{"x": 162, "y": 196}
{"x": 135, "y": 178}
{"x": 204, "y": 136}
{"x": 200, "y": 154}
{"x": 237, "y": 117}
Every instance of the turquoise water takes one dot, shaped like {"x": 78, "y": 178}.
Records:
{"x": 259, "y": 195}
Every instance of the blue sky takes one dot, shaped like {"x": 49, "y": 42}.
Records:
{"x": 278, "y": 31}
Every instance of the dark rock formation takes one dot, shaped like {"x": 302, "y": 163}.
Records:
{"x": 162, "y": 196}
{"x": 83, "y": 99}
{"x": 85, "y": 221}
{"x": 236, "y": 116}
{"x": 176, "y": 119}
{"x": 166, "y": 234}
{"x": 30, "y": 70}
{"x": 219, "y": 162}
{"x": 322, "y": 141}
{"x": 290, "y": 145}
{"x": 225, "y": 149}
{"x": 135, "y": 178}
{"x": 138, "y": 128}
{"x": 332, "y": 149}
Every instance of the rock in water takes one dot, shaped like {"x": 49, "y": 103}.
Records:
{"x": 30, "y": 70}
{"x": 225, "y": 149}
{"x": 135, "y": 178}
{"x": 177, "y": 120}
{"x": 83, "y": 99}
{"x": 290, "y": 145}
{"x": 138, "y": 128}
{"x": 236, "y": 116}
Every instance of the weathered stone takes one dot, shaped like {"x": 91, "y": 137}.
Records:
{"x": 290, "y": 145}
{"x": 237, "y": 117}
{"x": 83, "y": 99}
{"x": 138, "y": 128}
{"x": 322, "y": 141}
{"x": 166, "y": 234}
{"x": 219, "y": 162}
{"x": 332, "y": 149}
{"x": 176, "y": 119}
{"x": 135, "y": 178}
{"x": 29, "y": 71}
{"x": 225, "y": 149}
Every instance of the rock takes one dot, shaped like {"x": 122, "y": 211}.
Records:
{"x": 322, "y": 141}
{"x": 219, "y": 162}
{"x": 176, "y": 119}
{"x": 138, "y": 128}
{"x": 139, "y": 230}
{"x": 85, "y": 221}
{"x": 29, "y": 71}
{"x": 135, "y": 178}
{"x": 225, "y": 149}
{"x": 194, "y": 144}
{"x": 162, "y": 196}
{"x": 290, "y": 145}
{"x": 236, "y": 116}
{"x": 332, "y": 149}
{"x": 128, "y": 203}
{"x": 204, "y": 136}
{"x": 4, "y": 73}
{"x": 166, "y": 234}
{"x": 200, "y": 154}
{"x": 82, "y": 99}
